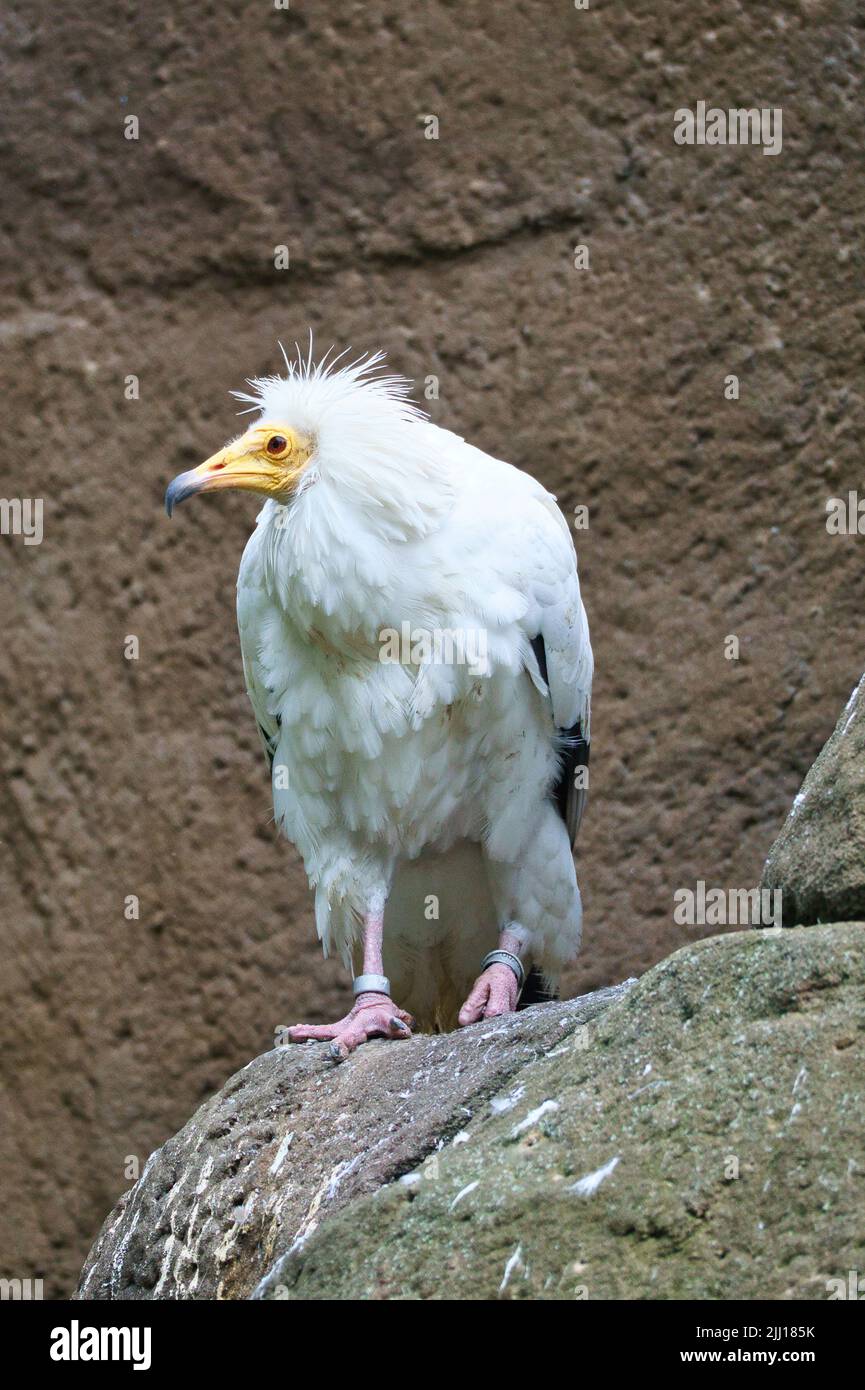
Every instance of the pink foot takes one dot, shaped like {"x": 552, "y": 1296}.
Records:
{"x": 494, "y": 992}
{"x": 373, "y": 1016}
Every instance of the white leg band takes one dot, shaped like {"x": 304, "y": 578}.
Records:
{"x": 510, "y": 960}
{"x": 371, "y": 984}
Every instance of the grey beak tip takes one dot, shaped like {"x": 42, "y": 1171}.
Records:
{"x": 181, "y": 487}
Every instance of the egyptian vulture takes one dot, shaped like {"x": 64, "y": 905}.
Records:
{"x": 417, "y": 655}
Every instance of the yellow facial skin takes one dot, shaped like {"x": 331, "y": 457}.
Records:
{"x": 269, "y": 459}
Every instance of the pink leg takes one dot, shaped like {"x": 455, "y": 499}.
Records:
{"x": 496, "y": 991}
{"x": 372, "y": 1015}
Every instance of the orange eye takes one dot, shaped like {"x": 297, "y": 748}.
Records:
{"x": 276, "y": 445}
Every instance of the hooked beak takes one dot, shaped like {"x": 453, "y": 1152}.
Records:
{"x": 235, "y": 466}
{"x": 183, "y": 486}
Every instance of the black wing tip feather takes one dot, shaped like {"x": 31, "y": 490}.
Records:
{"x": 574, "y": 749}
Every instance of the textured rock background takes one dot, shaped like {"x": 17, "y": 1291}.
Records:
{"x": 260, "y": 127}
{"x": 818, "y": 860}
{"x": 718, "y": 1104}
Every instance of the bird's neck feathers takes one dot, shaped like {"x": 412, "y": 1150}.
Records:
{"x": 378, "y": 481}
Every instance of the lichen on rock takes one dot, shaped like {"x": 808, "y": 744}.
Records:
{"x": 697, "y": 1134}
{"x": 818, "y": 860}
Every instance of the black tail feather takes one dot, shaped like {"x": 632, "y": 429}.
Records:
{"x": 534, "y": 992}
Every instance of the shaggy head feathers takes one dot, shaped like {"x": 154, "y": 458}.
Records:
{"x": 374, "y": 450}
{"x": 313, "y": 394}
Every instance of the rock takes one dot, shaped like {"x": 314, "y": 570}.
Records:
{"x": 818, "y": 860}
{"x": 698, "y": 1134}
{"x": 292, "y": 1138}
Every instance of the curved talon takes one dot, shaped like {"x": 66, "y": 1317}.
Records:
{"x": 372, "y": 1016}
{"x": 495, "y": 992}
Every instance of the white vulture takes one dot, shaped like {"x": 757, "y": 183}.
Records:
{"x": 417, "y": 655}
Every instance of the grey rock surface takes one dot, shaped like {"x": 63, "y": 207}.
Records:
{"x": 818, "y": 859}
{"x": 293, "y": 1137}
{"x": 697, "y": 1134}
